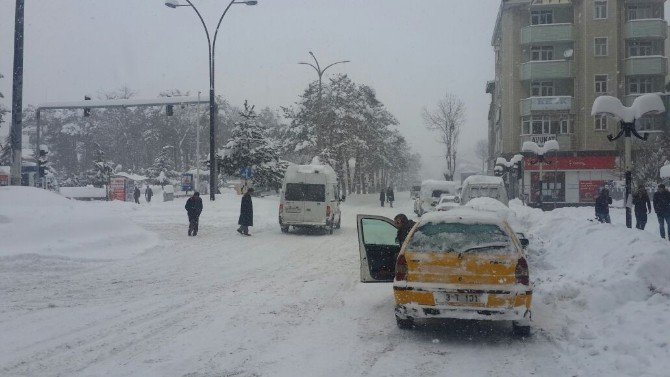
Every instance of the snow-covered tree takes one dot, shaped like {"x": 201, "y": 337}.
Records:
{"x": 163, "y": 166}
{"x": 250, "y": 146}
{"x": 3, "y": 109}
{"x": 446, "y": 120}
{"x": 102, "y": 169}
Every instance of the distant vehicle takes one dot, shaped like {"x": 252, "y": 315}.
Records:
{"x": 447, "y": 202}
{"x": 414, "y": 191}
{"x": 478, "y": 186}
{"x": 461, "y": 264}
{"x": 310, "y": 198}
{"x": 430, "y": 193}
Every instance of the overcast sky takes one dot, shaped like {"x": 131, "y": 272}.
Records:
{"x": 410, "y": 52}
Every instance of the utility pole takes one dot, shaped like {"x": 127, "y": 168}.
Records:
{"x": 17, "y": 97}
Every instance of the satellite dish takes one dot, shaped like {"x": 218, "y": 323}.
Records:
{"x": 568, "y": 53}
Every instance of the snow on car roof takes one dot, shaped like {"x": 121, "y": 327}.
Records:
{"x": 428, "y": 186}
{"x": 463, "y": 215}
{"x": 482, "y": 180}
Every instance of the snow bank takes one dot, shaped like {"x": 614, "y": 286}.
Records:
{"x": 490, "y": 205}
{"x": 602, "y": 290}
{"x": 35, "y": 221}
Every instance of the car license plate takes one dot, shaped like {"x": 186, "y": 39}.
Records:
{"x": 456, "y": 298}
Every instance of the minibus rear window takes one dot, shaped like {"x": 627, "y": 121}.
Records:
{"x": 304, "y": 192}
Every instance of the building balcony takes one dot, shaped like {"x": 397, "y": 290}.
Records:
{"x": 546, "y": 69}
{"x": 547, "y": 33}
{"x": 564, "y": 140}
{"x": 646, "y": 29}
{"x": 554, "y": 103}
{"x": 646, "y": 65}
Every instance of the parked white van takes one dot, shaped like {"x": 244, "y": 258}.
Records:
{"x": 477, "y": 186}
{"x": 430, "y": 193}
{"x": 310, "y": 198}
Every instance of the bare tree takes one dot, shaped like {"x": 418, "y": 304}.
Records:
{"x": 446, "y": 120}
{"x": 482, "y": 151}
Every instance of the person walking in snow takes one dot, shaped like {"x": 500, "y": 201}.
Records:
{"x": 603, "y": 202}
{"x": 136, "y": 195}
{"x": 404, "y": 226}
{"x": 642, "y": 206}
{"x": 193, "y": 209}
{"x": 246, "y": 213}
{"x": 390, "y": 197}
{"x": 662, "y": 209}
{"x": 382, "y": 197}
{"x": 148, "y": 193}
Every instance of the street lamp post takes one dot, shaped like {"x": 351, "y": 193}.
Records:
{"x": 502, "y": 167}
{"x": 211, "y": 45}
{"x": 646, "y": 104}
{"x": 532, "y": 148}
{"x": 320, "y": 71}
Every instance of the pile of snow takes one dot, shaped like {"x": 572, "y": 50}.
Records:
{"x": 36, "y": 221}
{"x": 430, "y": 185}
{"x": 83, "y": 192}
{"x": 487, "y": 204}
{"x": 649, "y": 103}
{"x": 482, "y": 180}
{"x": 602, "y": 290}
{"x": 463, "y": 215}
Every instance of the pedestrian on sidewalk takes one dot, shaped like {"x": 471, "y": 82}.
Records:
{"x": 382, "y": 196}
{"x": 136, "y": 195}
{"x": 662, "y": 209}
{"x": 148, "y": 193}
{"x": 246, "y": 213}
{"x": 642, "y": 206}
{"x": 390, "y": 197}
{"x": 193, "y": 209}
{"x": 603, "y": 202}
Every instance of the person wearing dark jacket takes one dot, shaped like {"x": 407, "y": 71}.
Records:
{"x": 246, "y": 213}
{"x": 642, "y": 206}
{"x": 193, "y": 209}
{"x": 148, "y": 193}
{"x": 390, "y": 197}
{"x": 136, "y": 195}
{"x": 662, "y": 209}
{"x": 404, "y": 226}
{"x": 602, "y": 206}
{"x": 382, "y": 197}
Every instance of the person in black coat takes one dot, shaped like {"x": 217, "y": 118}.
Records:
{"x": 148, "y": 193}
{"x": 193, "y": 209}
{"x": 603, "y": 202}
{"x": 246, "y": 213}
{"x": 642, "y": 206}
{"x": 662, "y": 208}
{"x": 390, "y": 197}
{"x": 136, "y": 195}
{"x": 382, "y": 197}
{"x": 404, "y": 226}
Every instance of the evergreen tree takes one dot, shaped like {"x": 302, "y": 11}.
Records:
{"x": 102, "y": 169}
{"x": 163, "y": 166}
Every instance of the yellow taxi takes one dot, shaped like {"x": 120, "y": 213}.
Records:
{"x": 463, "y": 264}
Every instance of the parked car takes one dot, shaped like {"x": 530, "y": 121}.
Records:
{"x": 462, "y": 264}
{"x": 414, "y": 191}
{"x": 310, "y": 198}
{"x": 447, "y": 202}
{"x": 430, "y": 193}
{"x": 478, "y": 186}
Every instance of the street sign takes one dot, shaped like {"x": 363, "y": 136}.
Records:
{"x": 187, "y": 182}
{"x": 246, "y": 173}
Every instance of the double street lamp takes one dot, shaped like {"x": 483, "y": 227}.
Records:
{"x": 211, "y": 44}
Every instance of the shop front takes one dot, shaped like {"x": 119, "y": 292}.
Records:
{"x": 568, "y": 180}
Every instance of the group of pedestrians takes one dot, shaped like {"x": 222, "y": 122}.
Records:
{"x": 194, "y": 209}
{"x": 148, "y": 193}
{"x": 386, "y": 195}
{"x": 642, "y": 207}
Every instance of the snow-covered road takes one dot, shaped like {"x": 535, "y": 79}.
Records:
{"x": 221, "y": 304}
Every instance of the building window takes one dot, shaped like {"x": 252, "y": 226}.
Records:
{"x": 649, "y": 123}
{"x": 641, "y": 48}
{"x": 600, "y": 46}
{"x": 541, "y": 17}
{"x": 643, "y": 12}
{"x": 545, "y": 125}
{"x": 601, "y": 123}
{"x": 600, "y": 9}
{"x": 565, "y": 126}
{"x": 640, "y": 85}
{"x": 542, "y": 89}
{"x": 601, "y": 84}
{"x": 539, "y": 53}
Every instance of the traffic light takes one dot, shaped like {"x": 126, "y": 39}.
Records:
{"x": 169, "y": 110}
{"x": 87, "y": 110}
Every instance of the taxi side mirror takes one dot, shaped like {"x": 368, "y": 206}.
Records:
{"x": 523, "y": 240}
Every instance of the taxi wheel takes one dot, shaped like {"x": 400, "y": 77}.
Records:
{"x": 404, "y": 324}
{"x": 330, "y": 229}
{"x": 522, "y": 331}
{"x": 339, "y": 223}
{"x": 284, "y": 229}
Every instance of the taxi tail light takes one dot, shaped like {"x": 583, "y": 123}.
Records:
{"x": 281, "y": 207}
{"x": 328, "y": 210}
{"x": 521, "y": 272}
{"x": 401, "y": 268}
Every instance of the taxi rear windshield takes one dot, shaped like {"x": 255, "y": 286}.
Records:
{"x": 305, "y": 192}
{"x": 460, "y": 238}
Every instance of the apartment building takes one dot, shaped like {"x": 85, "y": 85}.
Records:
{"x": 552, "y": 59}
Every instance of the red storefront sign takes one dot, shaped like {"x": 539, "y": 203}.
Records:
{"x": 573, "y": 163}
{"x": 588, "y": 190}
{"x": 118, "y": 189}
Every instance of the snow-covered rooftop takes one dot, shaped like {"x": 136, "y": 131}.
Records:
{"x": 134, "y": 177}
{"x": 482, "y": 180}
